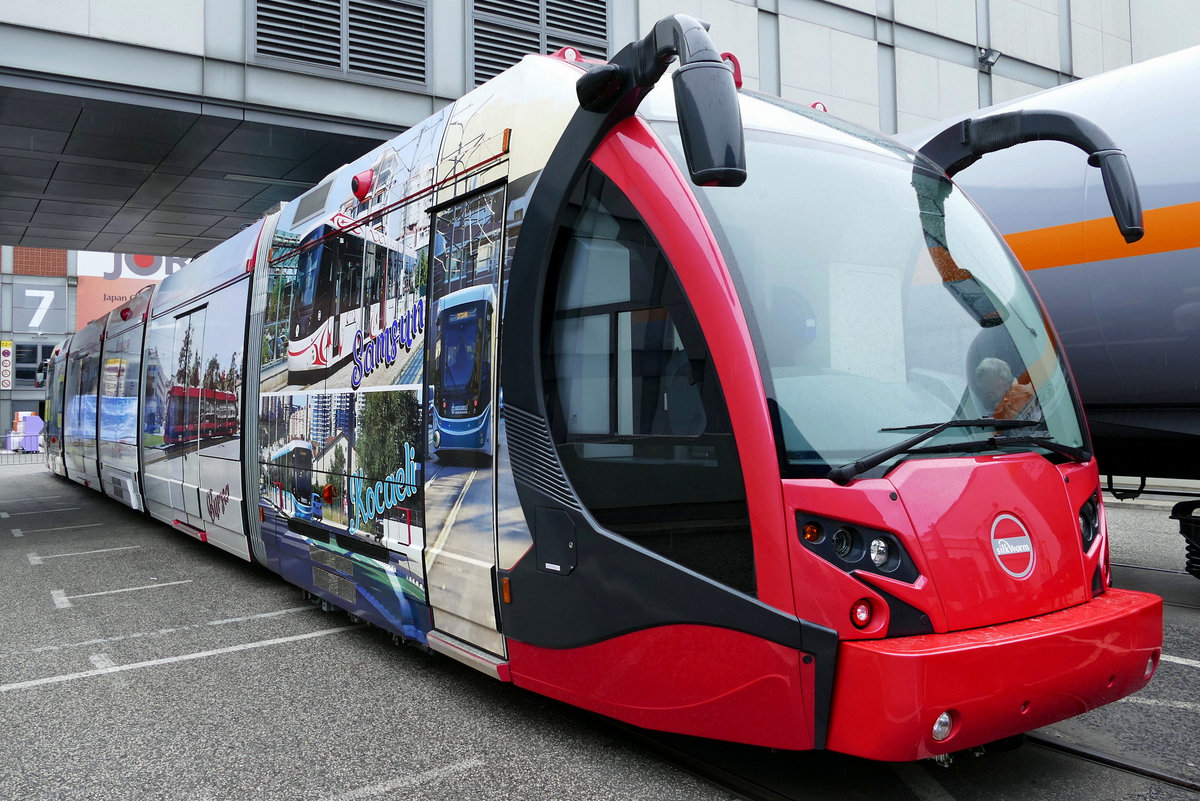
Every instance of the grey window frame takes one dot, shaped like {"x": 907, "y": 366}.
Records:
{"x": 617, "y": 467}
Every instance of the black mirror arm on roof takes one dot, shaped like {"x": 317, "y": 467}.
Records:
{"x": 706, "y": 104}
{"x": 965, "y": 142}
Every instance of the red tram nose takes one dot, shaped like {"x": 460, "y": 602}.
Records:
{"x": 1006, "y": 546}
{"x": 982, "y": 597}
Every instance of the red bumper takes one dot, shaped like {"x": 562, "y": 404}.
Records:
{"x": 995, "y": 681}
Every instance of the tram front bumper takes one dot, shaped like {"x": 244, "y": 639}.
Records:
{"x": 994, "y": 682}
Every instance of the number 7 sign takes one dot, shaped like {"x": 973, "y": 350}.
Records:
{"x": 39, "y": 307}
{"x": 46, "y": 298}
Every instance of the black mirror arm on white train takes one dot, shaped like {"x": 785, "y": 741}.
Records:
{"x": 965, "y": 142}
{"x": 706, "y": 101}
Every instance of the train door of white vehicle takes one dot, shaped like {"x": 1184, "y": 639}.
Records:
{"x": 349, "y": 314}
{"x": 189, "y": 346}
{"x": 460, "y": 552}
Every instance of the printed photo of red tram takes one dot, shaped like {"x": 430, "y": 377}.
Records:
{"x": 781, "y": 447}
{"x": 195, "y": 413}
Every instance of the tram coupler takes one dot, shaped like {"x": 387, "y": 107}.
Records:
{"x": 1189, "y": 527}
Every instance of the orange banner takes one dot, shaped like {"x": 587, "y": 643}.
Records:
{"x": 96, "y": 296}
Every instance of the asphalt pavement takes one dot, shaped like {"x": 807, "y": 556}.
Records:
{"x": 138, "y": 663}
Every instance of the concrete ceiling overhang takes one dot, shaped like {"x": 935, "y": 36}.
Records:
{"x": 83, "y": 168}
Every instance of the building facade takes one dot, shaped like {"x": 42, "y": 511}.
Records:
{"x": 47, "y": 294}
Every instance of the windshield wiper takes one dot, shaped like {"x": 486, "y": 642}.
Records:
{"x": 995, "y": 443}
{"x": 1047, "y": 442}
{"x": 843, "y": 474}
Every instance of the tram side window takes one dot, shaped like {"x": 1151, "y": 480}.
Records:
{"x": 375, "y": 268}
{"x": 349, "y": 252}
{"x": 635, "y": 406}
{"x": 119, "y": 388}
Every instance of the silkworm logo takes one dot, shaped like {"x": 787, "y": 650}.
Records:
{"x": 1012, "y": 546}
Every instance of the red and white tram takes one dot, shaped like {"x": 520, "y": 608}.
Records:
{"x": 784, "y": 449}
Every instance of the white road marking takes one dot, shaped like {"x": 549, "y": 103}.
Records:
{"x": 437, "y": 472}
{"x": 922, "y": 785}
{"x": 60, "y": 599}
{"x": 41, "y": 498}
{"x": 259, "y": 616}
{"x": 17, "y": 532}
{"x": 39, "y": 511}
{"x": 1187, "y": 706}
{"x": 35, "y": 559}
{"x": 415, "y": 780}
{"x": 160, "y": 632}
{"x": 1179, "y": 660}
{"x": 3, "y": 515}
{"x": 126, "y": 589}
{"x": 170, "y": 660}
{"x": 102, "y": 661}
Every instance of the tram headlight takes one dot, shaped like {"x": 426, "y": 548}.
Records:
{"x": 879, "y": 552}
{"x": 1089, "y": 521}
{"x": 843, "y": 542}
{"x": 943, "y": 726}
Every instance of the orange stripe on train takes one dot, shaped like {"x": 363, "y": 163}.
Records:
{"x": 1167, "y": 228}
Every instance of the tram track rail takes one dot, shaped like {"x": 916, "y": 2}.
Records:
{"x": 741, "y": 783}
{"x": 726, "y": 778}
{"x": 1164, "y": 592}
{"x": 1113, "y": 761}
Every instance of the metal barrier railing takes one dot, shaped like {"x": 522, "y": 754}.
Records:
{"x": 18, "y": 449}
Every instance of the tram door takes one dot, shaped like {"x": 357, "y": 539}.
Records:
{"x": 348, "y": 312}
{"x": 189, "y": 347}
{"x": 460, "y": 551}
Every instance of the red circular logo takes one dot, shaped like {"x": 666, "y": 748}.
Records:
{"x": 1012, "y": 546}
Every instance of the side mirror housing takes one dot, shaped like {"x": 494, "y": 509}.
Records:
{"x": 710, "y": 123}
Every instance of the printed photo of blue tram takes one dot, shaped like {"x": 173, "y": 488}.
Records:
{"x": 289, "y": 479}
{"x": 462, "y": 371}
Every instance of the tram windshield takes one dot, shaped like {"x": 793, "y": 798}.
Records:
{"x": 459, "y": 354}
{"x": 882, "y": 303}
{"x": 315, "y": 274}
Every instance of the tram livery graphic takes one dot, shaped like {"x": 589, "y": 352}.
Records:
{"x": 767, "y": 437}
{"x": 462, "y": 370}
{"x": 185, "y": 421}
{"x": 290, "y": 481}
